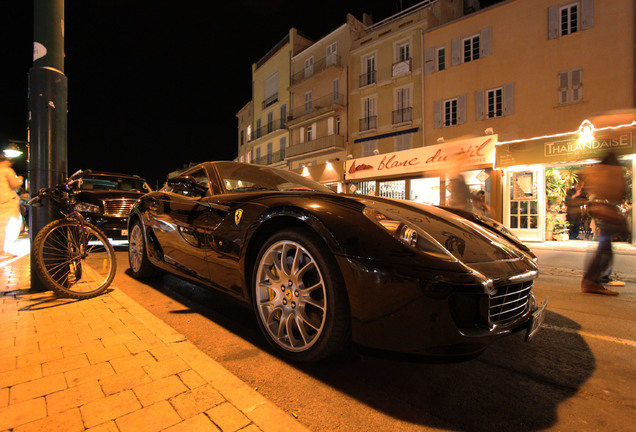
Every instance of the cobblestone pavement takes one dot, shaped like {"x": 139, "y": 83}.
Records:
{"x": 107, "y": 364}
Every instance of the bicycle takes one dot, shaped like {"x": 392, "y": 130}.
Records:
{"x": 72, "y": 257}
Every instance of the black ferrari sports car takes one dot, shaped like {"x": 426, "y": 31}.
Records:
{"x": 322, "y": 270}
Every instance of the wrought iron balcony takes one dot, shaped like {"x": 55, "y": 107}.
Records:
{"x": 367, "y": 123}
{"x": 318, "y": 104}
{"x": 319, "y": 66}
{"x": 268, "y": 128}
{"x": 368, "y": 78}
{"x": 402, "y": 115}
{"x": 331, "y": 141}
{"x": 270, "y": 100}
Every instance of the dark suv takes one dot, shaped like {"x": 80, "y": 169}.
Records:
{"x": 105, "y": 199}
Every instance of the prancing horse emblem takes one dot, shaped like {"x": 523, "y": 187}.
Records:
{"x": 237, "y": 216}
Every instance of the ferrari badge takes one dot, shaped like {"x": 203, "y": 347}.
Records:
{"x": 237, "y": 216}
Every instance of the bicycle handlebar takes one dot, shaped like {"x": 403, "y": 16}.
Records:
{"x": 58, "y": 189}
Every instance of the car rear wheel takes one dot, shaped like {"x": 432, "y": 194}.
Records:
{"x": 299, "y": 297}
{"x": 140, "y": 266}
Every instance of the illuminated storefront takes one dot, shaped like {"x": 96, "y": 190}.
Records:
{"x": 538, "y": 172}
{"x": 421, "y": 174}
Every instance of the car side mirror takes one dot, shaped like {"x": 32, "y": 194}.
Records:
{"x": 187, "y": 185}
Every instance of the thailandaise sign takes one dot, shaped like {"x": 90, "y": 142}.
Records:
{"x": 565, "y": 148}
{"x": 470, "y": 152}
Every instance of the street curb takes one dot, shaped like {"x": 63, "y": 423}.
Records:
{"x": 263, "y": 413}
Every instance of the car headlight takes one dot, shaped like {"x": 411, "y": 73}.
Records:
{"x": 87, "y": 208}
{"x": 408, "y": 234}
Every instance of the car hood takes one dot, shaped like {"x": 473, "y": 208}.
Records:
{"x": 468, "y": 239}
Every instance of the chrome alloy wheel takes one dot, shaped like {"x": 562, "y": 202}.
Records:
{"x": 291, "y": 296}
{"x": 136, "y": 248}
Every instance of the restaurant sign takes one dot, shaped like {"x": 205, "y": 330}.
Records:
{"x": 453, "y": 154}
{"x": 564, "y": 148}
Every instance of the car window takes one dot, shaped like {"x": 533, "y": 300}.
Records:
{"x": 106, "y": 183}
{"x": 200, "y": 176}
{"x": 238, "y": 177}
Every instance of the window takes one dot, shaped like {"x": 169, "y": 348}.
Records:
{"x": 308, "y": 102}
{"x": 249, "y": 133}
{"x": 368, "y": 71}
{"x": 271, "y": 90}
{"x": 403, "y": 110}
{"x": 310, "y": 133}
{"x": 369, "y": 119}
{"x": 270, "y": 122}
{"x": 283, "y": 144}
{"x": 258, "y": 128}
{"x": 368, "y": 147}
{"x": 269, "y": 153}
{"x": 283, "y": 115}
{"x": 440, "y": 63}
{"x": 403, "y": 52}
{"x": 309, "y": 67}
{"x": 335, "y": 90}
{"x": 471, "y": 48}
{"x": 332, "y": 54}
{"x": 450, "y": 112}
{"x": 403, "y": 142}
{"x": 569, "y": 19}
{"x": 570, "y": 86}
{"x": 494, "y": 101}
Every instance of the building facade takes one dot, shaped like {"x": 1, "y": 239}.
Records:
{"x": 441, "y": 90}
{"x": 265, "y": 134}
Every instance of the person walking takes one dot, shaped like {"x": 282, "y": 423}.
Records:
{"x": 608, "y": 189}
{"x": 9, "y": 206}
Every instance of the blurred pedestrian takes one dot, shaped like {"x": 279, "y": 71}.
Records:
{"x": 575, "y": 198}
{"x": 9, "y": 206}
{"x": 607, "y": 189}
{"x": 479, "y": 204}
{"x": 460, "y": 196}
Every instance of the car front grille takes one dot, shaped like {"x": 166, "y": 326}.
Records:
{"x": 509, "y": 302}
{"x": 119, "y": 207}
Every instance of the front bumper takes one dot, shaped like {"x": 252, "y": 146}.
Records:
{"x": 423, "y": 312}
{"x": 113, "y": 227}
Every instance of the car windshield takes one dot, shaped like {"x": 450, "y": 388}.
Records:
{"x": 107, "y": 183}
{"x": 246, "y": 177}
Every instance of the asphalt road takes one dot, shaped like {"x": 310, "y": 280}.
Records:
{"x": 578, "y": 373}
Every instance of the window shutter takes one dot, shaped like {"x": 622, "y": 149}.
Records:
{"x": 455, "y": 52}
{"x": 577, "y": 85}
{"x": 437, "y": 114}
{"x": 461, "y": 109}
{"x": 564, "y": 80}
{"x": 508, "y": 99}
{"x": 587, "y": 14}
{"x": 553, "y": 22}
{"x": 429, "y": 61}
{"x": 479, "y": 105}
{"x": 485, "y": 42}
{"x": 302, "y": 135}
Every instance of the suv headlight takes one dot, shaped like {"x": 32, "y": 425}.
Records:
{"x": 87, "y": 208}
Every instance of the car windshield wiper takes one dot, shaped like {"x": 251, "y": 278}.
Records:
{"x": 251, "y": 188}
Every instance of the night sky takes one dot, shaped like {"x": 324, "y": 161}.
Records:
{"x": 155, "y": 85}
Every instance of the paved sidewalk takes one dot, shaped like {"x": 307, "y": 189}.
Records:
{"x": 107, "y": 364}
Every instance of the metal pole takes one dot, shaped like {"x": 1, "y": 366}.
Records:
{"x": 48, "y": 91}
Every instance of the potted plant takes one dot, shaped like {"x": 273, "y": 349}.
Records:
{"x": 561, "y": 230}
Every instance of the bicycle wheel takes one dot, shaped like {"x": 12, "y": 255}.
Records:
{"x": 74, "y": 264}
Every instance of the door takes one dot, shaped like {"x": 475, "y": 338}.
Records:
{"x": 181, "y": 224}
{"x": 524, "y": 204}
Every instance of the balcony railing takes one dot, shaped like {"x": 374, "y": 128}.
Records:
{"x": 402, "y": 115}
{"x": 318, "y": 104}
{"x": 268, "y": 128}
{"x": 319, "y": 66}
{"x": 270, "y": 100}
{"x": 368, "y": 78}
{"x": 269, "y": 159}
{"x": 330, "y": 141}
{"x": 368, "y": 123}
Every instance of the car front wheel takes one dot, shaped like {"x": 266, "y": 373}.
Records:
{"x": 140, "y": 266}
{"x": 299, "y": 297}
